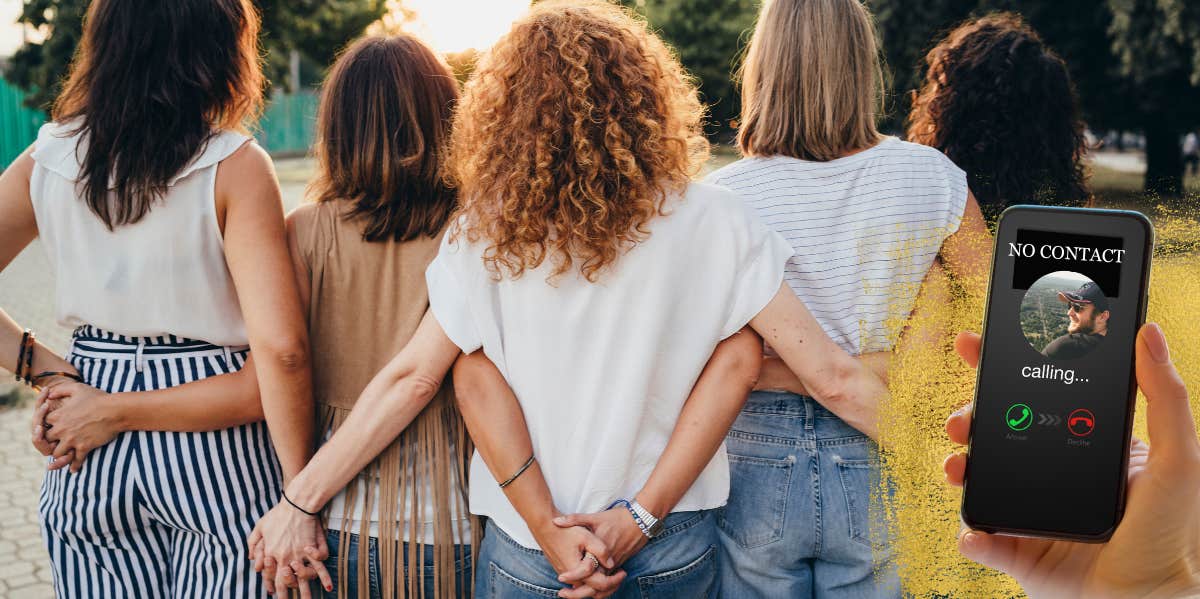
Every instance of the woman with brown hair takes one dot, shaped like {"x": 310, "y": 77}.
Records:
{"x": 869, "y": 218}
{"x": 165, "y": 226}
{"x": 1000, "y": 104}
{"x": 401, "y": 528}
{"x": 599, "y": 280}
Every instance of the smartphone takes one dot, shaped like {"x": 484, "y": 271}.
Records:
{"x": 1055, "y": 388}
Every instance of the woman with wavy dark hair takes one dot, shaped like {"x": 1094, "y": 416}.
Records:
{"x": 401, "y": 528}
{"x": 607, "y": 296}
{"x": 164, "y": 223}
{"x": 1000, "y": 104}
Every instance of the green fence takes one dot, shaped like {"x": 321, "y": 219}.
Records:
{"x": 286, "y": 127}
{"x": 18, "y": 124}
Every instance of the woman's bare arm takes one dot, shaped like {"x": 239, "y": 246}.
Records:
{"x": 927, "y": 326}
{"x": 967, "y": 254}
{"x": 285, "y": 535}
{"x": 18, "y": 229}
{"x": 249, "y": 200}
{"x": 842, "y": 384}
{"x": 498, "y": 428}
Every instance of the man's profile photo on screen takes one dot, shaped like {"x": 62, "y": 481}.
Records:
{"x": 1065, "y": 315}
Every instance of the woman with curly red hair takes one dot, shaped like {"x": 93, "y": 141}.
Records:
{"x": 1000, "y": 104}
{"x": 606, "y": 298}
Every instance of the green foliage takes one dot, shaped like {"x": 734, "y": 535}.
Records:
{"x": 709, "y": 36}
{"x": 315, "y": 28}
{"x": 1136, "y": 63}
{"x": 39, "y": 68}
{"x": 318, "y": 29}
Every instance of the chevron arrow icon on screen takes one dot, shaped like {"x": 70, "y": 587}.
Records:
{"x": 1049, "y": 419}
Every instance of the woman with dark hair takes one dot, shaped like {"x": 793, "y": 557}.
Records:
{"x": 165, "y": 226}
{"x": 1000, "y": 104}
{"x": 401, "y": 528}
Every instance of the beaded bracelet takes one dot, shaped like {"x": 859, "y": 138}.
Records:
{"x": 641, "y": 524}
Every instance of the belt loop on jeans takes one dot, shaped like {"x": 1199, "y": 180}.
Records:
{"x": 138, "y": 362}
{"x": 810, "y": 414}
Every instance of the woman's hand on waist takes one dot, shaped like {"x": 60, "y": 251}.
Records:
{"x": 77, "y": 419}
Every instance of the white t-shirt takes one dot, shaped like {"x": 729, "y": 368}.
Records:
{"x": 865, "y": 229}
{"x": 602, "y": 369}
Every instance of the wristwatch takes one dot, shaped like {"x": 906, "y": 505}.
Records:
{"x": 653, "y": 526}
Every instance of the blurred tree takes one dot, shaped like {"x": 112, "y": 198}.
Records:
{"x": 1136, "y": 63}
{"x": 709, "y": 36}
{"x": 1156, "y": 44}
{"x": 317, "y": 29}
{"x": 39, "y": 67}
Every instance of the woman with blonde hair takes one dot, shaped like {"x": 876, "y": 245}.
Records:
{"x": 595, "y": 281}
{"x": 868, "y": 216}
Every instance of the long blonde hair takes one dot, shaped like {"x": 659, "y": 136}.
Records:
{"x": 812, "y": 81}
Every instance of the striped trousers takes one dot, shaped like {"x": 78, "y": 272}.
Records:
{"x": 152, "y": 513}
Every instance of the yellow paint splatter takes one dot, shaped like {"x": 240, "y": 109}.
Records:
{"x": 928, "y": 381}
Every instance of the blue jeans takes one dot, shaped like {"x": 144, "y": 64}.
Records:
{"x": 680, "y": 563}
{"x": 798, "y": 522}
{"x": 462, "y": 568}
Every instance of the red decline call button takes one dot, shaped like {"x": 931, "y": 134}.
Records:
{"x": 1081, "y": 422}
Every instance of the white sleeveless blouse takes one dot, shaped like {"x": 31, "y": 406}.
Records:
{"x": 164, "y": 275}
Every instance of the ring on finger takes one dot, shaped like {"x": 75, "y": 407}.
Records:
{"x": 595, "y": 562}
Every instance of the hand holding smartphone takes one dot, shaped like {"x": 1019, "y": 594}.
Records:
{"x": 1053, "y": 410}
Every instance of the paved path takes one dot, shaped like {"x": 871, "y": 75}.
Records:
{"x": 24, "y": 566}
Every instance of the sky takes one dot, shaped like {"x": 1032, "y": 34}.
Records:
{"x": 10, "y": 32}
{"x": 456, "y": 25}
{"x": 447, "y": 25}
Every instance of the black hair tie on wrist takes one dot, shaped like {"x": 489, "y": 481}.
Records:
{"x": 293, "y": 504}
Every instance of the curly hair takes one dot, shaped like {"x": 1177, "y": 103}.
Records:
{"x": 569, "y": 137}
{"x": 1001, "y": 105}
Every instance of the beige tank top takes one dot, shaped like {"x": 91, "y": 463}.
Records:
{"x": 163, "y": 275}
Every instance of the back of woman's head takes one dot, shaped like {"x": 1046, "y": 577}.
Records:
{"x": 1001, "y": 105}
{"x": 812, "y": 81}
{"x": 150, "y": 83}
{"x": 381, "y": 133}
{"x": 571, "y": 133}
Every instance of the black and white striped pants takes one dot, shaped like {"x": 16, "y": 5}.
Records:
{"x": 152, "y": 513}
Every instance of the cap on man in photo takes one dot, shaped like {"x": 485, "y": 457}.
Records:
{"x": 1088, "y": 293}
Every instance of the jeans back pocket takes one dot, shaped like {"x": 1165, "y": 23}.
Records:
{"x": 502, "y": 585}
{"x": 692, "y": 581}
{"x": 758, "y": 496}
{"x": 856, "y": 478}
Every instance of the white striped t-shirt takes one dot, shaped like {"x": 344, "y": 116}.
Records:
{"x": 865, "y": 229}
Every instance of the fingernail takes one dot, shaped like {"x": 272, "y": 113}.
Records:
{"x": 970, "y": 540}
{"x": 559, "y": 520}
{"x": 1156, "y": 342}
{"x": 328, "y": 587}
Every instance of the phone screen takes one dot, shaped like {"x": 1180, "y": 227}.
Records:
{"x": 1054, "y": 400}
